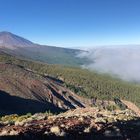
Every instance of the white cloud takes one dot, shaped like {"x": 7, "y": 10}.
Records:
{"x": 120, "y": 61}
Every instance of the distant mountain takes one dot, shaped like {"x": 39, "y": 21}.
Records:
{"x": 11, "y": 41}
{"x": 18, "y": 46}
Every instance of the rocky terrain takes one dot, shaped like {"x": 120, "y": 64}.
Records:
{"x": 81, "y": 123}
{"x": 23, "y": 90}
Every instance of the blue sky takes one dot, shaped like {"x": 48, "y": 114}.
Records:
{"x": 73, "y": 23}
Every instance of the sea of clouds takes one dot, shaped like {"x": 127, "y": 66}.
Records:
{"x": 121, "y": 61}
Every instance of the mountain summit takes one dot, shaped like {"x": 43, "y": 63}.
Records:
{"x": 18, "y": 46}
{"x": 11, "y": 41}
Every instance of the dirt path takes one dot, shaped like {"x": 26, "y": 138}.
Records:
{"x": 132, "y": 106}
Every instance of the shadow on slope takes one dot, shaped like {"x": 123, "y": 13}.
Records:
{"x": 12, "y": 104}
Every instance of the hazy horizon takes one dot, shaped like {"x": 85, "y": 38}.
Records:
{"x": 82, "y": 47}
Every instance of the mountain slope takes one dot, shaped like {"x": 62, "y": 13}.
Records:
{"x": 23, "y": 90}
{"x": 12, "y": 41}
{"x": 83, "y": 82}
{"x": 18, "y": 46}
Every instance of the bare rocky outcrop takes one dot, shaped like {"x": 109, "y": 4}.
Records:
{"x": 132, "y": 106}
{"x": 23, "y": 91}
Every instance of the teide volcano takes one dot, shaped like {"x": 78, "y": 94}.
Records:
{"x": 12, "y": 41}
{"x": 18, "y": 46}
